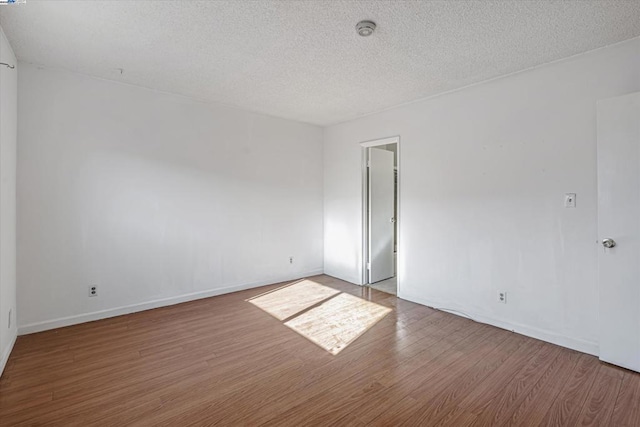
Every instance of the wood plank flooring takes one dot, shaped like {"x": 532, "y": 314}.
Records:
{"x": 224, "y": 361}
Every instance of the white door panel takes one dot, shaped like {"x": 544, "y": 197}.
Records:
{"x": 381, "y": 214}
{"x": 619, "y": 220}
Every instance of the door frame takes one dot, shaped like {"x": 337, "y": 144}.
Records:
{"x": 365, "y": 208}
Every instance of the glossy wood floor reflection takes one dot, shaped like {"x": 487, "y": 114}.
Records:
{"x": 224, "y": 361}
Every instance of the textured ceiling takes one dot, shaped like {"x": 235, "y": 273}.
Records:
{"x": 303, "y": 60}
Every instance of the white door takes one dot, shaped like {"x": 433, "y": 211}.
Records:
{"x": 381, "y": 216}
{"x": 619, "y": 225}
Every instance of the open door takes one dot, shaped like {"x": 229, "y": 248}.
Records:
{"x": 381, "y": 214}
{"x": 619, "y": 229}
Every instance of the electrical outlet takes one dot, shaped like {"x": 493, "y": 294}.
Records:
{"x": 93, "y": 291}
{"x": 290, "y": 260}
{"x": 502, "y": 297}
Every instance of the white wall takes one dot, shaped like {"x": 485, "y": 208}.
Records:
{"x": 153, "y": 196}
{"x": 8, "y": 123}
{"x": 483, "y": 171}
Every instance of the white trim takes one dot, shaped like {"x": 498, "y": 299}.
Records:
{"x": 4, "y": 358}
{"x": 364, "y": 273}
{"x": 6, "y": 354}
{"x": 577, "y": 344}
{"x": 398, "y": 219}
{"x": 351, "y": 279}
{"x": 622, "y": 365}
{"x": 31, "y": 328}
{"x": 364, "y": 258}
{"x": 383, "y": 141}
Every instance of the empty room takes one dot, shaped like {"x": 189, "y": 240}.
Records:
{"x": 320, "y": 213}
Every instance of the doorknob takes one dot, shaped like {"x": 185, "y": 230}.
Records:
{"x": 608, "y": 243}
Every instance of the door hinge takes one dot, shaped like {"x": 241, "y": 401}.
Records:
{"x": 368, "y": 163}
{"x": 368, "y": 266}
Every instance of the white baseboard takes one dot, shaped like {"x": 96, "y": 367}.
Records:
{"x": 6, "y": 354}
{"x": 119, "y": 311}
{"x": 351, "y": 279}
{"x": 540, "y": 334}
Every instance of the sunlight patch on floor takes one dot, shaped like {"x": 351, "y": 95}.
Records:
{"x": 323, "y": 315}
{"x": 290, "y": 300}
{"x": 338, "y": 322}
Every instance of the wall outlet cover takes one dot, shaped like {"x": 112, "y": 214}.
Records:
{"x": 502, "y": 297}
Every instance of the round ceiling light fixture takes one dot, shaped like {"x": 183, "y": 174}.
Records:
{"x": 365, "y": 28}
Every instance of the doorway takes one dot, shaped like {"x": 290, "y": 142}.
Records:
{"x": 380, "y": 206}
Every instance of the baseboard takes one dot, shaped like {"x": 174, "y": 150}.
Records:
{"x": 119, "y": 311}
{"x": 351, "y": 279}
{"x": 6, "y": 354}
{"x": 540, "y": 334}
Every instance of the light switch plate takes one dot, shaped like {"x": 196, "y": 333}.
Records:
{"x": 570, "y": 200}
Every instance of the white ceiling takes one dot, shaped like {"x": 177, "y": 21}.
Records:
{"x": 303, "y": 60}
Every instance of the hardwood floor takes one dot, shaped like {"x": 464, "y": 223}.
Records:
{"x": 225, "y": 361}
